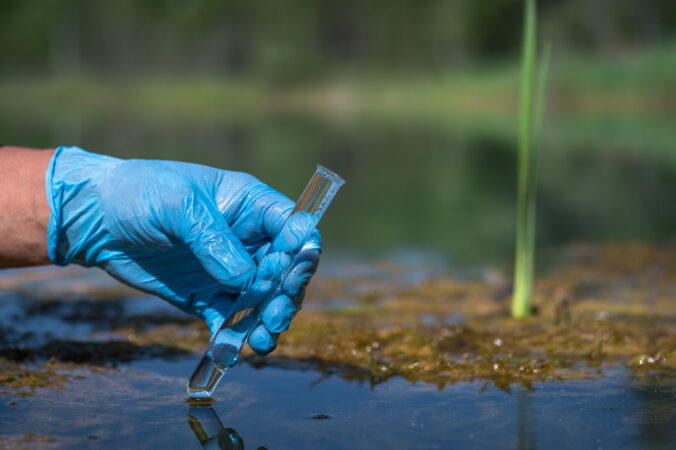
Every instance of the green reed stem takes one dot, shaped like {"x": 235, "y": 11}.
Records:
{"x": 530, "y": 127}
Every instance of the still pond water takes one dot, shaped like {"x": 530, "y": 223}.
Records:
{"x": 139, "y": 401}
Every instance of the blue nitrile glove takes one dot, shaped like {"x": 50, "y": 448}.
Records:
{"x": 190, "y": 234}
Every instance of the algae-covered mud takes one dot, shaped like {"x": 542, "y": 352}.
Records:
{"x": 396, "y": 354}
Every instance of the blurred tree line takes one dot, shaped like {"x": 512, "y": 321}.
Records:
{"x": 294, "y": 39}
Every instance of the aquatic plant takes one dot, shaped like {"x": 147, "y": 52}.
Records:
{"x": 530, "y": 126}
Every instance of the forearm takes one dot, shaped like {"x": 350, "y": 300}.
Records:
{"x": 24, "y": 211}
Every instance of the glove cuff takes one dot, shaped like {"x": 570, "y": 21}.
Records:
{"x": 74, "y": 231}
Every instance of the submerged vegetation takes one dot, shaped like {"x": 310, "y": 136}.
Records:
{"x": 606, "y": 308}
{"x": 20, "y": 380}
{"x": 601, "y": 308}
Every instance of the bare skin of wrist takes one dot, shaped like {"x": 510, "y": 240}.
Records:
{"x": 24, "y": 211}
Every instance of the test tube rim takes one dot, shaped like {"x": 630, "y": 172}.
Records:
{"x": 330, "y": 174}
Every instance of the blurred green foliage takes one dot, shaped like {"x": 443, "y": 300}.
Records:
{"x": 414, "y": 102}
{"x": 296, "y": 39}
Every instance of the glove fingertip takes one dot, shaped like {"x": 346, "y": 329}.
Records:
{"x": 278, "y": 314}
{"x": 298, "y": 278}
{"x": 262, "y": 341}
{"x": 296, "y": 231}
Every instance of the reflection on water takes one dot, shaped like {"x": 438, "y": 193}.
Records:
{"x": 525, "y": 419}
{"x": 591, "y": 413}
{"x": 656, "y": 419}
{"x": 212, "y": 434}
{"x": 657, "y": 422}
{"x": 273, "y": 407}
{"x": 210, "y": 431}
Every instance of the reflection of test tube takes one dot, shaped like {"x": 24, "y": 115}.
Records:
{"x": 210, "y": 430}
{"x": 245, "y": 314}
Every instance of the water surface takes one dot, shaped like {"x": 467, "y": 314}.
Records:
{"x": 142, "y": 405}
{"x": 120, "y": 395}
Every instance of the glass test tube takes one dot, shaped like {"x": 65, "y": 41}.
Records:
{"x": 245, "y": 314}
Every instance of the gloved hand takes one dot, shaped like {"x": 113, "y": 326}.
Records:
{"x": 188, "y": 233}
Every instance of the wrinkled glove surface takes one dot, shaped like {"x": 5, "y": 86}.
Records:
{"x": 191, "y": 234}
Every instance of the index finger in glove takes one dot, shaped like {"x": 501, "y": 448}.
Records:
{"x": 276, "y": 318}
{"x": 304, "y": 267}
{"x": 262, "y": 341}
{"x": 294, "y": 233}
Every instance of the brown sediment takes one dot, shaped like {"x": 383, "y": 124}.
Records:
{"x": 22, "y": 380}
{"x": 601, "y": 307}
{"x": 605, "y": 307}
{"x": 35, "y": 438}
